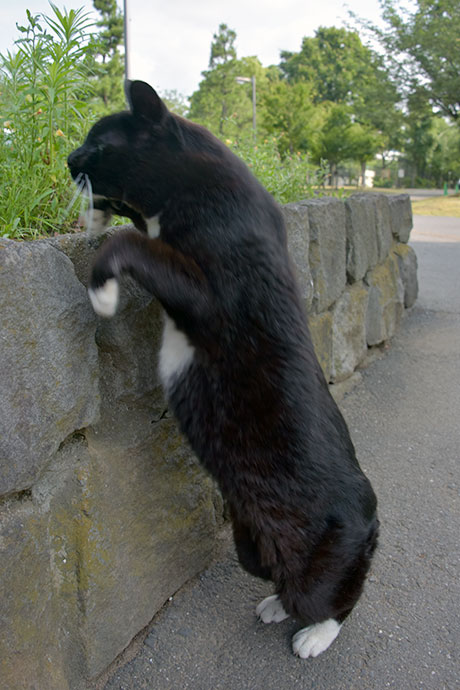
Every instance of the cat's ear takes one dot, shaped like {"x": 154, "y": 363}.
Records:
{"x": 144, "y": 101}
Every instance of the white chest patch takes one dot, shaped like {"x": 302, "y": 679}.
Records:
{"x": 176, "y": 353}
{"x": 153, "y": 226}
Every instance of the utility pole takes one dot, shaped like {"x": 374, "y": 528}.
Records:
{"x": 125, "y": 31}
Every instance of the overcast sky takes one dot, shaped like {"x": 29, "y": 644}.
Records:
{"x": 170, "y": 41}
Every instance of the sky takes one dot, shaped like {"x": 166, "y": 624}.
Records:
{"x": 169, "y": 42}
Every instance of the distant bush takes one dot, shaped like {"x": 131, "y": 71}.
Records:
{"x": 383, "y": 182}
{"x": 289, "y": 178}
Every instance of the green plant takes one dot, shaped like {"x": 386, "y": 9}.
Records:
{"x": 289, "y": 178}
{"x": 43, "y": 112}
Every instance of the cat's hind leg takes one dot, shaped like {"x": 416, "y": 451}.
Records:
{"x": 247, "y": 550}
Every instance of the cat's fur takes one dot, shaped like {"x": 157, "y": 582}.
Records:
{"x": 237, "y": 361}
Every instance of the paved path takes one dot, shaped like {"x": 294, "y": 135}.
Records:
{"x": 405, "y": 632}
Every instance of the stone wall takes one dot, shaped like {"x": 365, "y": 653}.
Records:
{"x": 104, "y": 512}
{"x": 356, "y": 272}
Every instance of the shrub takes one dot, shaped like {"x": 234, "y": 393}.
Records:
{"x": 289, "y": 178}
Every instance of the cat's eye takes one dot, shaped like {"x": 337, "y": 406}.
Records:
{"x": 100, "y": 147}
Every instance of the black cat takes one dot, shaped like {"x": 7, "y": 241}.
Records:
{"x": 237, "y": 362}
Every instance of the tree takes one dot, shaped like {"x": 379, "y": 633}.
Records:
{"x": 418, "y": 137}
{"x": 422, "y": 47}
{"x": 107, "y": 62}
{"x": 289, "y": 113}
{"x": 176, "y": 102}
{"x": 341, "y": 70}
{"x": 364, "y": 143}
{"x": 220, "y": 103}
{"x": 223, "y": 47}
{"x": 211, "y": 104}
{"x": 334, "y": 143}
{"x": 443, "y": 159}
{"x": 337, "y": 65}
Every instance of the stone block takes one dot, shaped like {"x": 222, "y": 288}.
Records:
{"x": 382, "y": 225}
{"x": 362, "y": 248}
{"x": 349, "y": 345}
{"x": 327, "y": 254}
{"x": 152, "y": 516}
{"x": 386, "y": 301}
{"x": 298, "y": 234}
{"x": 106, "y": 535}
{"x": 369, "y": 236}
{"x": 407, "y": 262}
{"x": 41, "y": 581}
{"x": 321, "y": 335}
{"x": 49, "y": 383}
{"x": 401, "y": 216}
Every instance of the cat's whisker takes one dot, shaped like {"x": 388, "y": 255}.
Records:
{"x": 79, "y": 184}
{"x": 90, "y": 209}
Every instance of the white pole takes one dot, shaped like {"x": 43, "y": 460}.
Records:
{"x": 125, "y": 30}
{"x": 254, "y": 106}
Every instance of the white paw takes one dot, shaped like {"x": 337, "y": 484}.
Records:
{"x": 105, "y": 298}
{"x": 315, "y": 639}
{"x": 271, "y": 610}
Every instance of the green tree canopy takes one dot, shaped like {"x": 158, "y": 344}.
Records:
{"x": 342, "y": 70}
{"x": 334, "y": 61}
{"x": 289, "y": 113}
{"x": 422, "y": 48}
{"x": 220, "y": 102}
{"x": 106, "y": 59}
{"x": 223, "y": 46}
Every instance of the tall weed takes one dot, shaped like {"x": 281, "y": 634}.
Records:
{"x": 43, "y": 113}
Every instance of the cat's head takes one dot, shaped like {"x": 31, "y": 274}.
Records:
{"x": 130, "y": 156}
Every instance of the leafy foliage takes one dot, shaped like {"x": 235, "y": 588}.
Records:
{"x": 43, "y": 109}
{"x": 106, "y": 61}
{"x": 422, "y": 48}
{"x": 335, "y": 101}
{"x": 287, "y": 178}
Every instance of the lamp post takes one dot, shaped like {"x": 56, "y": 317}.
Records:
{"x": 125, "y": 31}
{"x": 252, "y": 80}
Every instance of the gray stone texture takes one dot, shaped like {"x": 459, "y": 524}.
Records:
{"x": 407, "y": 262}
{"x": 104, "y": 511}
{"x": 386, "y": 301}
{"x": 327, "y": 253}
{"x": 400, "y": 216}
{"x": 349, "y": 346}
{"x": 362, "y": 247}
{"x": 49, "y": 383}
{"x": 369, "y": 235}
{"x": 298, "y": 233}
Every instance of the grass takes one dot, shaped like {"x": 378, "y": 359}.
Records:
{"x": 438, "y": 206}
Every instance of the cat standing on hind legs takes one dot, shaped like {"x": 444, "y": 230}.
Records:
{"x": 236, "y": 361}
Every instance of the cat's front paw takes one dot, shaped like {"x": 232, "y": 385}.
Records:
{"x": 105, "y": 298}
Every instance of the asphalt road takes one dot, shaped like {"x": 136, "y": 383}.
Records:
{"x": 405, "y": 632}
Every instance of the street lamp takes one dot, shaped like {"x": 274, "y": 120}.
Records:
{"x": 125, "y": 31}
{"x": 252, "y": 80}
